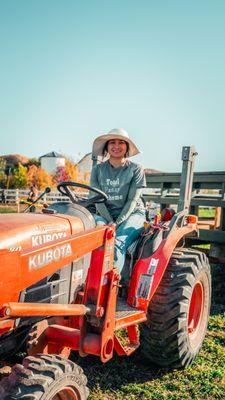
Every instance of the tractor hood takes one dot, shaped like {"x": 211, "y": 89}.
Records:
{"x": 24, "y": 231}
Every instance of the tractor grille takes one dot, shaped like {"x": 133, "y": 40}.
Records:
{"x": 52, "y": 289}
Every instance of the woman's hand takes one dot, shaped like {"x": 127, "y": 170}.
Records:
{"x": 113, "y": 224}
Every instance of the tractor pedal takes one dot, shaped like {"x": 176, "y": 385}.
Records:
{"x": 127, "y": 315}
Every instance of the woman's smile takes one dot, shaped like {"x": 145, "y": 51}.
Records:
{"x": 117, "y": 148}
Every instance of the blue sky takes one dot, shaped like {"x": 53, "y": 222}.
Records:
{"x": 71, "y": 70}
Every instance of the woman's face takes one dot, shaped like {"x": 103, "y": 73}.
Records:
{"x": 117, "y": 148}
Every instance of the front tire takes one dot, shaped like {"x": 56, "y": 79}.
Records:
{"x": 45, "y": 377}
{"x": 178, "y": 313}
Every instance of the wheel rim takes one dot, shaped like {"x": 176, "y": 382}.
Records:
{"x": 195, "y": 309}
{"x": 67, "y": 393}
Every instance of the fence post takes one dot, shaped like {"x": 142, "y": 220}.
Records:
{"x": 17, "y": 200}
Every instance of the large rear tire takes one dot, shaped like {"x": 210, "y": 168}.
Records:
{"x": 45, "y": 377}
{"x": 178, "y": 313}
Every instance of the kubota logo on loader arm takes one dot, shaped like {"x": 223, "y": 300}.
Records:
{"x": 46, "y": 257}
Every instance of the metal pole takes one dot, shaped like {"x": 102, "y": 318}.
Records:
{"x": 188, "y": 158}
{"x": 47, "y": 190}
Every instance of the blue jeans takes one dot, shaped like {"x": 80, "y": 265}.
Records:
{"x": 126, "y": 233}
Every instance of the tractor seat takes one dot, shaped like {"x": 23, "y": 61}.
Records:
{"x": 143, "y": 247}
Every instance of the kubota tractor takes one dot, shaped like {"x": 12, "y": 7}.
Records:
{"x": 60, "y": 292}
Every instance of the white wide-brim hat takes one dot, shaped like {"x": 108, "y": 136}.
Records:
{"x": 118, "y": 133}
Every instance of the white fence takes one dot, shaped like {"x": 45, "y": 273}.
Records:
{"x": 15, "y": 196}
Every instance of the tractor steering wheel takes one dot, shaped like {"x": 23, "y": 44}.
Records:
{"x": 64, "y": 188}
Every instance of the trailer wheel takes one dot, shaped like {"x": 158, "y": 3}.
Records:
{"x": 45, "y": 377}
{"x": 178, "y": 313}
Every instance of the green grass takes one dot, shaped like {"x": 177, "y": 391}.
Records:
{"x": 206, "y": 212}
{"x": 7, "y": 209}
{"x": 128, "y": 379}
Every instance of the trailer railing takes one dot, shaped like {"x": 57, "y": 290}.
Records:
{"x": 208, "y": 192}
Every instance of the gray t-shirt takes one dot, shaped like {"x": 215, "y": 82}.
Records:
{"x": 116, "y": 182}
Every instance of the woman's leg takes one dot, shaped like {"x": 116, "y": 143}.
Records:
{"x": 126, "y": 234}
{"x": 99, "y": 220}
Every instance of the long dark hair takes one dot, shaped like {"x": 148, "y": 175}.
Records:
{"x": 105, "y": 149}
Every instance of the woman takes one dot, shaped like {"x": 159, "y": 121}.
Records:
{"x": 122, "y": 181}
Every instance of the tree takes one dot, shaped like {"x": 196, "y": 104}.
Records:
{"x": 66, "y": 173}
{"x": 43, "y": 179}
{"x": 60, "y": 175}
{"x": 87, "y": 177}
{"x": 32, "y": 174}
{"x": 20, "y": 177}
{"x": 3, "y": 177}
{"x": 33, "y": 161}
{"x": 71, "y": 170}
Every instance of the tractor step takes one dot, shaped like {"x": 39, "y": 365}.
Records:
{"x": 127, "y": 315}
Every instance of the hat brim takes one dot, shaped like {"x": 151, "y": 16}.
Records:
{"x": 100, "y": 141}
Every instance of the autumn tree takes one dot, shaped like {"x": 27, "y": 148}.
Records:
{"x": 43, "y": 179}
{"x": 3, "y": 177}
{"x": 71, "y": 170}
{"x": 66, "y": 173}
{"x": 60, "y": 175}
{"x": 87, "y": 177}
{"x": 32, "y": 174}
{"x": 19, "y": 180}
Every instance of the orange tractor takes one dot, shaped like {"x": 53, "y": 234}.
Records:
{"x": 61, "y": 292}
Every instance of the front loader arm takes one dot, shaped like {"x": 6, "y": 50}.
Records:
{"x": 19, "y": 270}
{"x": 98, "y": 304}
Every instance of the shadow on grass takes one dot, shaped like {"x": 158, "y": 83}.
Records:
{"x": 117, "y": 372}
{"x": 123, "y": 371}
{"x": 218, "y": 289}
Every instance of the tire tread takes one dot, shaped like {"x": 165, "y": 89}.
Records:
{"x": 164, "y": 336}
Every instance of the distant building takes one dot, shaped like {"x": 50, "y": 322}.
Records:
{"x": 51, "y": 161}
{"x": 84, "y": 167}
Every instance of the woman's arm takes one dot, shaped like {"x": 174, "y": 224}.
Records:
{"x": 104, "y": 212}
{"x": 136, "y": 185}
{"x": 134, "y": 195}
{"x": 101, "y": 207}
